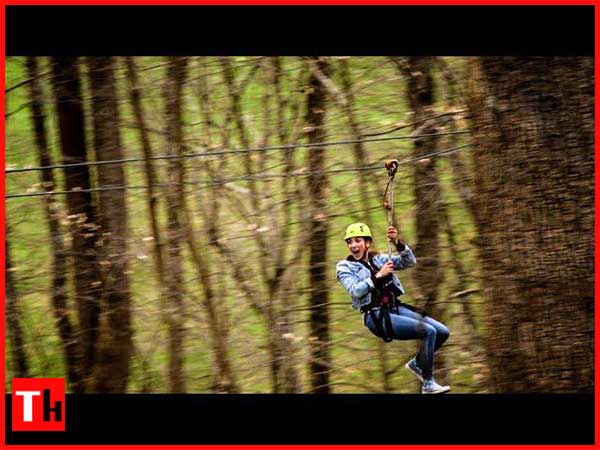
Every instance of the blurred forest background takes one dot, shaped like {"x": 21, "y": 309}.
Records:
{"x": 173, "y": 223}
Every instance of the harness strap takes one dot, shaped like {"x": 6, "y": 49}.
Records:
{"x": 388, "y": 324}
{"x": 384, "y": 314}
{"x": 388, "y": 301}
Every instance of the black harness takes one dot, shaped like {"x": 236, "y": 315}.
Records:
{"x": 386, "y": 332}
{"x": 383, "y": 323}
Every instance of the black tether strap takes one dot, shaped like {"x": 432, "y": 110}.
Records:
{"x": 385, "y": 333}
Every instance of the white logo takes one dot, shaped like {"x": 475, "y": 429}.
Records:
{"x": 27, "y": 403}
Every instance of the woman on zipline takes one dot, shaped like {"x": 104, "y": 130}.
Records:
{"x": 375, "y": 290}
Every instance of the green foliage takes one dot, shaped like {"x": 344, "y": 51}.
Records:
{"x": 380, "y": 105}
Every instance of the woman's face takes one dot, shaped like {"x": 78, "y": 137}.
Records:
{"x": 358, "y": 246}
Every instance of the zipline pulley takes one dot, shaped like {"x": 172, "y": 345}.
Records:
{"x": 392, "y": 166}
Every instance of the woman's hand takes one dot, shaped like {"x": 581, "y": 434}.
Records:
{"x": 387, "y": 268}
{"x": 392, "y": 234}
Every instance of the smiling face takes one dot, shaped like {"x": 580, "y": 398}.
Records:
{"x": 358, "y": 246}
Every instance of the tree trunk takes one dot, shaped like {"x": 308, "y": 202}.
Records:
{"x": 317, "y": 237}
{"x": 224, "y": 378}
{"x": 274, "y": 304}
{"x": 462, "y": 179}
{"x": 82, "y": 214}
{"x": 52, "y": 206}
{"x": 462, "y": 182}
{"x": 112, "y": 369}
{"x": 176, "y": 73}
{"x": 13, "y": 319}
{"x": 151, "y": 179}
{"x": 287, "y": 298}
{"x": 461, "y": 284}
{"x": 533, "y": 121}
{"x": 427, "y": 189}
{"x": 233, "y": 89}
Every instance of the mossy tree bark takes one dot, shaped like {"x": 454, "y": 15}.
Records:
{"x": 82, "y": 212}
{"x": 318, "y": 227}
{"x": 173, "y": 97}
{"x": 533, "y": 122}
{"x": 111, "y": 372}
{"x": 53, "y": 211}
{"x": 426, "y": 182}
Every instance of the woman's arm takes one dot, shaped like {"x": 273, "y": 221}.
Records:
{"x": 406, "y": 257}
{"x": 351, "y": 281}
{"x": 404, "y": 260}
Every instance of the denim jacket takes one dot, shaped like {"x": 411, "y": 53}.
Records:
{"x": 356, "y": 278}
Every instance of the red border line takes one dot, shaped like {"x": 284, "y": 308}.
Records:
{"x": 290, "y": 3}
{"x": 300, "y": 2}
{"x": 294, "y": 447}
{"x": 2, "y": 221}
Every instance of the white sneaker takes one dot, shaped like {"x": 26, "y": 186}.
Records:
{"x": 431, "y": 387}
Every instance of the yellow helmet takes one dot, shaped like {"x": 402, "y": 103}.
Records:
{"x": 358, "y": 230}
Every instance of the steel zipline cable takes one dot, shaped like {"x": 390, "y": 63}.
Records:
{"x": 245, "y": 177}
{"x": 227, "y": 152}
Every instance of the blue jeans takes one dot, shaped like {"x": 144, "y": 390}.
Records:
{"x": 407, "y": 324}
